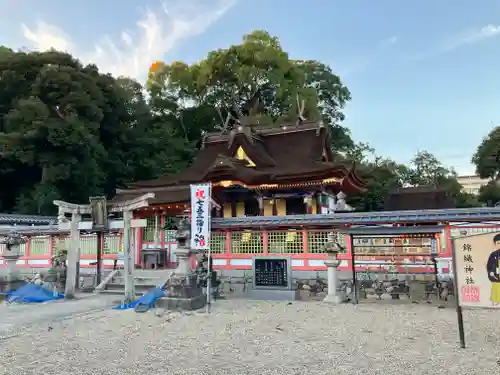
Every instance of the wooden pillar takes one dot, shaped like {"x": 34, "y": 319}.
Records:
{"x": 308, "y": 203}
{"x": 275, "y": 207}
{"x": 157, "y": 228}
{"x": 260, "y": 200}
{"x": 162, "y": 229}
{"x": 233, "y": 208}
{"x": 318, "y": 203}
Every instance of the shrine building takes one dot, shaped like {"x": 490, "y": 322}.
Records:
{"x": 259, "y": 171}
{"x": 254, "y": 171}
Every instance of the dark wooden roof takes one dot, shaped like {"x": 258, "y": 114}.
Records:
{"x": 15, "y": 219}
{"x": 286, "y": 154}
{"x": 419, "y": 198}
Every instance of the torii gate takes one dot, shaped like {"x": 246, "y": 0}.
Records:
{"x": 99, "y": 209}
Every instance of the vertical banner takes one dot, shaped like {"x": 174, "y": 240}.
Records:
{"x": 477, "y": 273}
{"x": 200, "y": 216}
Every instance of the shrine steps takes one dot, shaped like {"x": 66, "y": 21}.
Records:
{"x": 145, "y": 280}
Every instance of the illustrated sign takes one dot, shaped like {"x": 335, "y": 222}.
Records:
{"x": 200, "y": 216}
{"x": 421, "y": 244}
{"x": 478, "y": 269}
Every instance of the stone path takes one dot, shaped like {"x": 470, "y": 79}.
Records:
{"x": 15, "y": 318}
{"x": 256, "y": 337}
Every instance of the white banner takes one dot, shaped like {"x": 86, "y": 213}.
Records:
{"x": 478, "y": 269}
{"x": 200, "y": 216}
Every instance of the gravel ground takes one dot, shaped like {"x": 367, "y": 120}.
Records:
{"x": 254, "y": 337}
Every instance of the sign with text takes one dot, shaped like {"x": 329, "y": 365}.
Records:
{"x": 200, "y": 216}
{"x": 478, "y": 269}
{"x": 272, "y": 272}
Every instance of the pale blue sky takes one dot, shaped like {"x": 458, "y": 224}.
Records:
{"x": 422, "y": 73}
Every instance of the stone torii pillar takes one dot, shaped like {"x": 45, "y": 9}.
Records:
{"x": 76, "y": 224}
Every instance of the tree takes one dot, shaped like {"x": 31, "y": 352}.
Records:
{"x": 257, "y": 78}
{"x": 381, "y": 176}
{"x": 69, "y": 132}
{"x": 486, "y": 159}
{"x": 426, "y": 169}
{"x": 489, "y": 194}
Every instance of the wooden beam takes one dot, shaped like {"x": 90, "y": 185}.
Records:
{"x": 112, "y": 224}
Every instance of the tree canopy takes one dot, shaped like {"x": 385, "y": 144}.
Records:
{"x": 486, "y": 159}
{"x": 256, "y": 76}
{"x": 68, "y": 131}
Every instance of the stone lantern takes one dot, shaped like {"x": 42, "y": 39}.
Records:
{"x": 182, "y": 289}
{"x": 183, "y": 251}
{"x": 11, "y": 254}
{"x": 332, "y": 248}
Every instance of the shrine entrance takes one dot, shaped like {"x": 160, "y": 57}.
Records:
{"x": 396, "y": 263}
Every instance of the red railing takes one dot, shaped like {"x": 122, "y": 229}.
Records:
{"x": 231, "y": 250}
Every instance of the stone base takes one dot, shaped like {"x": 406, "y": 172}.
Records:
{"x": 177, "y": 303}
{"x": 334, "y": 299}
{"x": 275, "y": 294}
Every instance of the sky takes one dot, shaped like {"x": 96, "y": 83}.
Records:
{"x": 422, "y": 74}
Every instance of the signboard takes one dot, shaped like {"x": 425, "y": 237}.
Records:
{"x": 272, "y": 272}
{"x": 419, "y": 244}
{"x": 200, "y": 216}
{"x": 434, "y": 249}
{"x": 477, "y": 260}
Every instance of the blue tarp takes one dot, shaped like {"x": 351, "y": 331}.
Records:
{"x": 148, "y": 300}
{"x": 32, "y": 293}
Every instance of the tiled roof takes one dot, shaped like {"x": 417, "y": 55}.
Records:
{"x": 348, "y": 218}
{"x": 15, "y": 219}
{"x": 334, "y": 220}
{"x": 281, "y": 155}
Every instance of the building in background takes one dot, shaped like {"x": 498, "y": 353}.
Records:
{"x": 471, "y": 183}
{"x": 419, "y": 198}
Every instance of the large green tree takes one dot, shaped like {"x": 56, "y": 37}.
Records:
{"x": 380, "y": 174}
{"x": 257, "y": 77}
{"x": 383, "y": 175}
{"x": 486, "y": 159}
{"x": 426, "y": 169}
{"x": 68, "y": 132}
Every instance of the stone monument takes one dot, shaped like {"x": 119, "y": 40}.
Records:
{"x": 58, "y": 272}
{"x": 11, "y": 254}
{"x": 183, "y": 290}
{"x": 272, "y": 279}
{"x": 332, "y": 248}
